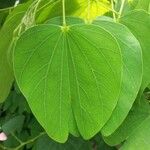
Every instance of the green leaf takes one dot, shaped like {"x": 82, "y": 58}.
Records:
{"x": 6, "y": 38}
{"x": 138, "y": 22}
{"x": 97, "y": 8}
{"x": 135, "y": 129}
{"x": 49, "y": 9}
{"x": 3, "y": 15}
{"x": 143, "y": 4}
{"x": 9, "y": 3}
{"x": 69, "y": 20}
{"x": 6, "y": 3}
{"x": 72, "y": 144}
{"x": 129, "y": 5}
{"x": 13, "y": 124}
{"x": 133, "y": 3}
{"x": 132, "y": 72}
{"x": 59, "y": 69}
{"x": 10, "y": 142}
{"x": 100, "y": 144}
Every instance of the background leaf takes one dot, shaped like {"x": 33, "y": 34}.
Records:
{"x": 14, "y": 124}
{"x": 6, "y": 3}
{"x": 72, "y": 144}
{"x": 89, "y": 10}
{"x": 135, "y": 129}
{"x": 143, "y": 4}
{"x": 132, "y": 73}
{"x": 49, "y": 9}
{"x": 6, "y": 38}
{"x": 138, "y": 22}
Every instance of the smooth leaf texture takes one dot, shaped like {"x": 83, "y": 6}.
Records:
{"x": 138, "y": 22}
{"x": 135, "y": 129}
{"x": 6, "y": 37}
{"x": 132, "y": 72}
{"x": 62, "y": 69}
{"x": 70, "y": 21}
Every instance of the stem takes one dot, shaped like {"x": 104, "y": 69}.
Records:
{"x": 29, "y": 141}
{"x": 36, "y": 7}
{"x": 121, "y": 8}
{"x": 7, "y": 9}
{"x": 64, "y": 13}
{"x": 16, "y": 138}
{"x": 51, "y": 2}
{"x": 30, "y": 14}
{"x": 112, "y": 5}
{"x": 23, "y": 143}
{"x": 89, "y": 11}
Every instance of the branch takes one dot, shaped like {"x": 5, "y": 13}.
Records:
{"x": 22, "y": 144}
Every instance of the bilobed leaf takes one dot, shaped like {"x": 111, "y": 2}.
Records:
{"x": 132, "y": 73}
{"x": 6, "y": 37}
{"x": 70, "y": 21}
{"x": 135, "y": 129}
{"x": 61, "y": 69}
{"x": 138, "y": 22}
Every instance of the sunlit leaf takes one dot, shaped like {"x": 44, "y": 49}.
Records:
{"x": 91, "y": 9}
